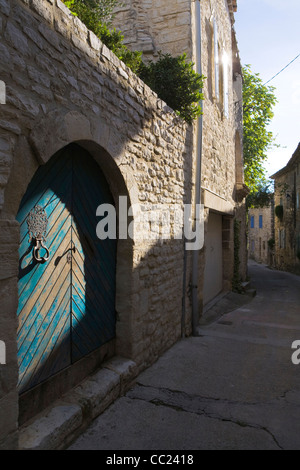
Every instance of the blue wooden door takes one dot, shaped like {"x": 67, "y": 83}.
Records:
{"x": 67, "y": 303}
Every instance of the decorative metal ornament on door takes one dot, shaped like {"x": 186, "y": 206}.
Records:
{"x": 37, "y": 222}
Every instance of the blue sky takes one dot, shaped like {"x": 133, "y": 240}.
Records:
{"x": 268, "y": 35}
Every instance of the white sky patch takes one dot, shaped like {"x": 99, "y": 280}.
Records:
{"x": 268, "y": 39}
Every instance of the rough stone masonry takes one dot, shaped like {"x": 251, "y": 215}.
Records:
{"x": 63, "y": 85}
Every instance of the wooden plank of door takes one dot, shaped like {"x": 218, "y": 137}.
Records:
{"x": 94, "y": 263}
{"x": 44, "y": 288}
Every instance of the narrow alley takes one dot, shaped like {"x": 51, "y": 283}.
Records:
{"x": 233, "y": 387}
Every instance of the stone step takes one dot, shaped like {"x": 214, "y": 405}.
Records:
{"x": 59, "y": 424}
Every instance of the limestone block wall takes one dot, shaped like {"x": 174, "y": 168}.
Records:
{"x": 171, "y": 27}
{"x": 64, "y": 86}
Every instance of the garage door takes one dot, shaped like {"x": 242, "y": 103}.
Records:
{"x": 213, "y": 273}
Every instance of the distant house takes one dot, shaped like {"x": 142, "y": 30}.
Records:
{"x": 261, "y": 234}
{"x": 287, "y": 215}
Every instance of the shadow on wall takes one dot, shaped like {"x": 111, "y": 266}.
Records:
{"x": 67, "y": 305}
{"x": 123, "y": 125}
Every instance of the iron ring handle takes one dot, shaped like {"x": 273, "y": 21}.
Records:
{"x": 38, "y": 246}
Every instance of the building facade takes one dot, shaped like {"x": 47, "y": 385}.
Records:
{"x": 261, "y": 234}
{"x": 84, "y": 141}
{"x": 287, "y": 215}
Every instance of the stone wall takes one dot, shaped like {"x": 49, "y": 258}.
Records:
{"x": 153, "y": 26}
{"x": 63, "y": 85}
{"x": 171, "y": 27}
{"x": 287, "y": 227}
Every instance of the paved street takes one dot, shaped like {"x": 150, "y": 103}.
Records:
{"x": 233, "y": 387}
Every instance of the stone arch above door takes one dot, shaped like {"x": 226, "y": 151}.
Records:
{"x": 57, "y": 130}
{"x": 123, "y": 275}
{"x": 50, "y": 136}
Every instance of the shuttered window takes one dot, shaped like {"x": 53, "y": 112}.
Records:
{"x": 225, "y": 65}
{"x": 216, "y": 60}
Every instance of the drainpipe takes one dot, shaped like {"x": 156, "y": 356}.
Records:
{"x": 195, "y": 253}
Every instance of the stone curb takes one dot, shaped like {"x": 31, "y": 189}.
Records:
{"x": 58, "y": 425}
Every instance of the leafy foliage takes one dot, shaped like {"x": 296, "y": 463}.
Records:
{"x": 262, "y": 197}
{"x": 271, "y": 243}
{"x": 175, "y": 82}
{"x": 258, "y": 102}
{"x": 114, "y": 41}
{"x": 172, "y": 78}
{"x": 92, "y": 12}
{"x": 97, "y": 16}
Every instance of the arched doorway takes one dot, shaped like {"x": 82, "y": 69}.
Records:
{"x": 66, "y": 302}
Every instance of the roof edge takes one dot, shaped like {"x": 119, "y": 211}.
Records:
{"x": 232, "y": 6}
{"x": 290, "y": 163}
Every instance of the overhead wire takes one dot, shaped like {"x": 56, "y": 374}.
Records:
{"x": 282, "y": 70}
{"x": 239, "y": 101}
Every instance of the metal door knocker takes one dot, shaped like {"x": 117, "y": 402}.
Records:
{"x": 37, "y": 222}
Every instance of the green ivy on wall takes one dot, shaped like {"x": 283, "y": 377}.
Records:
{"x": 236, "y": 281}
{"x": 279, "y": 211}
